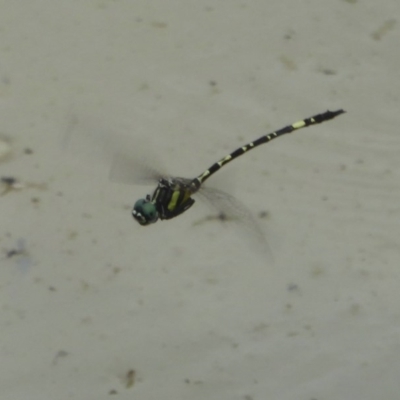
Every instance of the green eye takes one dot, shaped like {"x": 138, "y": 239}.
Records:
{"x": 145, "y": 212}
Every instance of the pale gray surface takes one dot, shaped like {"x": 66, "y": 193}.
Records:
{"x": 195, "y": 310}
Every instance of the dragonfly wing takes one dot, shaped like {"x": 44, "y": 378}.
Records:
{"x": 131, "y": 170}
{"x": 126, "y": 158}
{"x": 231, "y": 209}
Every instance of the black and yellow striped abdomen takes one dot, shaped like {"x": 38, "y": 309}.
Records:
{"x": 316, "y": 119}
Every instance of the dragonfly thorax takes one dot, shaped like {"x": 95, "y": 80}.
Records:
{"x": 171, "y": 198}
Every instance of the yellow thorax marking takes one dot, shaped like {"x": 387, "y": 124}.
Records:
{"x": 174, "y": 199}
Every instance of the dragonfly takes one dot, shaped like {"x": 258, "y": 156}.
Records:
{"x": 173, "y": 195}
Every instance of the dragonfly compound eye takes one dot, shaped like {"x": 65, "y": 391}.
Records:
{"x": 145, "y": 212}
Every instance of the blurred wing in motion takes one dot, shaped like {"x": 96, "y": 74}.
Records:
{"x": 231, "y": 209}
{"x": 124, "y": 157}
{"x": 131, "y": 170}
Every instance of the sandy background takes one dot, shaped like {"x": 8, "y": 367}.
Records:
{"x": 93, "y": 306}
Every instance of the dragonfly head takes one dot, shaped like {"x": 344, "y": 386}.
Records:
{"x": 145, "y": 212}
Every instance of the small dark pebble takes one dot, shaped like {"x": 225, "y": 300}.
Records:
{"x": 8, "y": 180}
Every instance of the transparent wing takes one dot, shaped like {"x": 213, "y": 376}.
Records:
{"x": 131, "y": 170}
{"x": 231, "y": 209}
{"x": 126, "y": 158}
